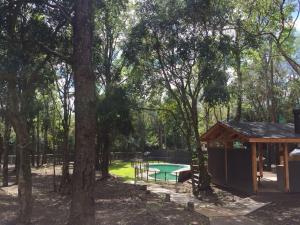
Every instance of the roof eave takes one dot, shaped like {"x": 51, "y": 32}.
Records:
{"x": 274, "y": 140}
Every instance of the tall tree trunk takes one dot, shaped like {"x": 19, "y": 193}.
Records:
{"x": 17, "y": 113}
{"x": 83, "y": 182}
{"x": 19, "y": 124}
{"x": 33, "y": 144}
{"x": 204, "y": 178}
{"x": 188, "y": 140}
{"x": 237, "y": 52}
{"x": 6, "y": 138}
{"x": 239, "y": 94}
{"x": 24, "y": 180}
{"x": 17, "y": 160}
{"x": 271, "y": 95}
{"x": 1, "y": 148}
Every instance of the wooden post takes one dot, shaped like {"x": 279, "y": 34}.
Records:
{"x": 254, "y": 167}
{"x": 190, "y": 206}
{"x": 281, "y": 154}
{"x": 261, "y": 165}
{"x": 286, "y": 168}
{"x": 167, "y": 198}
{"x": 135, "y": 175}
{"x": 147, "y": 175}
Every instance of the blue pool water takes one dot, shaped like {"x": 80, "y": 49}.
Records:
{"x": 166, "y": 171}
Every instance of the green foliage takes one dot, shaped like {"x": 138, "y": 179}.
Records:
{"x": 152, "y": 59}
{"x": 180, "y": 47}
{"x": 114, "y": 111}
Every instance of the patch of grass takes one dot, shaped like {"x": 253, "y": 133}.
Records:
{"x": 122, "y": 169}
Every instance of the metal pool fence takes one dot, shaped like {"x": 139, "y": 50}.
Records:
{"x": 143, "y": 172}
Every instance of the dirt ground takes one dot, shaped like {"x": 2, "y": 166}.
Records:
{"x": 284, "y": 209}
{"x": 116, "y": 203}
{"x": 126, "y": 204}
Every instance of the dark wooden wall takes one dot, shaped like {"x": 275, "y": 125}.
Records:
{"x": 294, "y": 174}
{"x": 216, "y": 165}
{"x": 238, "y": 167}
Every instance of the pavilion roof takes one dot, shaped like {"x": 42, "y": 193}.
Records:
{"x": 253, "y": 132}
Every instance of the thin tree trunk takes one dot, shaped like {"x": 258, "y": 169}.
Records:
{"x": 38, "y": 152}
{"x": 228, "y": 112}
{"x": 83, "y": 182}
{"x": 17, "y": 160}
{"x": 272, "y": 98}
{"x": 165, "y": 138}
{"x": 54, "y": 171}
{"x": 215, "y": 114}
{"x": 292, "y": 62}
{"x": 105, "y": 155}
{"x": 6, "y": 138}
{"x": 98, "y": 150}
{"x": 45, "y": 147}
{"x": 65, "y": 183}
{"x": 160, "y": 140}
{"x": 239, "y": 94}
{"x": 207, "y": 116}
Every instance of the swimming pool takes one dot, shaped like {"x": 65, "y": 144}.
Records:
{"x": 166, "y": 171}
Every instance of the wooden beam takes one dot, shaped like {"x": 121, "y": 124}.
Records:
{"x": 254, "y": 167}
{"x": 286, "y": 169}
{"x": 241, "y": 135}
{"x": 220, "y": 127}
{"x": 274, "y": 140}
{"x": 210, "y": 133}
{"x": 229, "y": 136}
{"x": 218, "y": 136}
{"x": 225, "y": 137}
{"x": 261, "y": 163}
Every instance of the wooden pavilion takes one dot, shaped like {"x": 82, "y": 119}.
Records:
{"x": 236, "y": 151}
